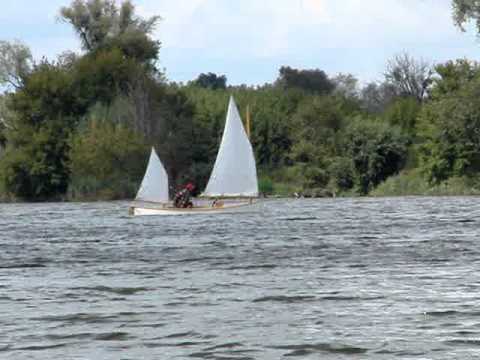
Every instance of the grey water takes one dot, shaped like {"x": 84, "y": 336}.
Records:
{"x": 295, "y": 279}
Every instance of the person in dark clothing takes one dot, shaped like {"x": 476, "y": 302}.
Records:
{"x": 183, "y": 198}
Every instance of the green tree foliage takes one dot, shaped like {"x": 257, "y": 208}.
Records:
{"x": 403, "y": 113}
{"x": 464, "y": 11}
{"x": 376, "y": 149}
{"x": 453, "y": 76}
{"x": 15, "y": 63}
{"x": 342, "y": 174}
{"x": 35, "y": 168}
{"x": 101, "y": 23}
{"x": 107, "y": 161}
{"x": 5, "y": 119}
{"x": 316, "y": 134}
{"x": 211, "y": 81}
{"x": 376, "y": 97}
{"x": 34, "y": 165}
{"x": 316, "y": 124}
{"x": 450, "y": 128}
{"x": 346, "y": 85}
{"x": 86, "y": 121}
{"x": 175, "y": 136}
{"x": 313, "y": 81}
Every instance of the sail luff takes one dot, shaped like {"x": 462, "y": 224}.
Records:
{"x": 234, "y": 173}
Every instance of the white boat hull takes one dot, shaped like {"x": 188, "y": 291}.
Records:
{"x": 202, "y": 208}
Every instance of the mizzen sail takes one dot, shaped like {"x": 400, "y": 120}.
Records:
{"x": 154, "y": 186}
{"x": 234, "y": 173}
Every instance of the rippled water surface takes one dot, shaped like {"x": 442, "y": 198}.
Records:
{"x": 300, "y": 279}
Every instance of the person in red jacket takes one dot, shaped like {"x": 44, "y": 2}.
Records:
{"x": 183, "y": 198}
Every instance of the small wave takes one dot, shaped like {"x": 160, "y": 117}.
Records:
{"x": 253, "y": 267}
{"x": 452, "y": 313}
{"x": 39, "y": 347}
{"x": 180, "y": 344}
{"x": 198, "y": 259}
{"x": 114, "y": 290}
{"x": 300, "y": 218}
{"x": 147, "y": 325}
{"x": 22, "y": 266}
{"x": 460, "y": 342}
{"x": 79, "y": 336}
{"x": 113, "y": 336}
{"x": 217, "y": 356}
{"x": 284, "y": 299}
{"x": 75, "y": 318}
{"x": 225, "y": 346}
{"x": 466, "y": 221}
{"x": 466, "y": 333}
{"x": 306, "y": 349}
{"x": 352, "y": 298}
{"x": 180, "y": 335}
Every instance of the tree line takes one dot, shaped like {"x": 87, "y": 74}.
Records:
{"x": 81, "y": 126}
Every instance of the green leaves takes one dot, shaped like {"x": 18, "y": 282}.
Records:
{"x": 101, "y": 24}
{"x": 377, "y": 151}
{"x": 450, "y": 127}
{"x": 106, "y": 161}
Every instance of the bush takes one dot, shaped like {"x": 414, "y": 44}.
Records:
{"x": 342, "y": 176}
{"x": 107, "y": 161}
{"x": 377, "y": 151}
{"x": 265, "y": 186}
{"x": 403, "y": 184}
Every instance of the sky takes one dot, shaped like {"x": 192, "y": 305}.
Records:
{"x": 249, "y": 40}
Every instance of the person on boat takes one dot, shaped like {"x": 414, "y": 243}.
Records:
{"x": 183, "y": 198}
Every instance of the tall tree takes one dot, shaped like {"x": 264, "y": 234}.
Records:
{"x": 376, "y": 97}
{"x": 211, "y": 81}
{"x": 346, "y": 85}
{"x": 98, "y": 23}
{"x": 15, "y": 63}
{"x": 313, "y": 81}
{"x": 408, "y": 76}
{"x": 464, "y": 11}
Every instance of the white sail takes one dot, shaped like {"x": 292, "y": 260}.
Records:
{"x": 154, "y": 186}
{"x": 234, "y": 173}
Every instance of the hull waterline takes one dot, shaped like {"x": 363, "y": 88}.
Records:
{"x": 145, "y": 210}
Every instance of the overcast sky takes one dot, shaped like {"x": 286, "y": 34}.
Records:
{"x": 248, "y": 40}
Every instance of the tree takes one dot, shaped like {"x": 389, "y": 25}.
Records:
{"x": 211, "y": 81}
{"x": 465, "y": 10}
{"x": 15, "y": 63}
{"x": 6, "y": 119}
{"x": 101, "y": 23}
{"x": 377, "y": 151}
{"x": 453, "y": 76}
{"x": 313, "y": 81}
{"x": 174, "y": 133}
{"x": 403, "y": 113}
{"x": 346, "y": 85}
{"x": 106, "y": 160}
{"x": 450, "y": 129}
{"x": 375, "y": 97}
{"x": 36, "y": 169}
{"x": 408, "y": 76}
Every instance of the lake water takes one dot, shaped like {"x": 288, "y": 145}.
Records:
{"x": 296, "y": 279}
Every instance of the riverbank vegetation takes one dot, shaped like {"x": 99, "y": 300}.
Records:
{"x": 81, "y": 126}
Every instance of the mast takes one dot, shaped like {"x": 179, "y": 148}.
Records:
{"x": 247, "y": 121}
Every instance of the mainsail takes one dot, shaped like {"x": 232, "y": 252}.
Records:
{"x": 234, "y": 173}
{"x": 154, "y": 186}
